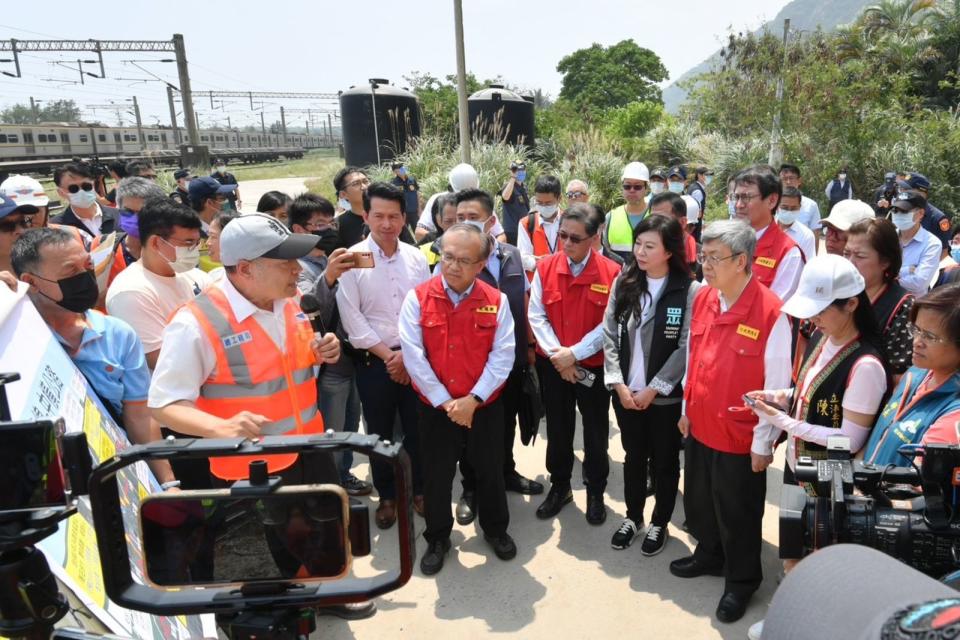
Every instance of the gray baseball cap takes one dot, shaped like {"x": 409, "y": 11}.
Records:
{"x": 257, "y": 235}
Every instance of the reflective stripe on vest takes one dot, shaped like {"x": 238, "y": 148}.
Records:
{"x": 620, "y": 233}
{"x": 252, "y": 374}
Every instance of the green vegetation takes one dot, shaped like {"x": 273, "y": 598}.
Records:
{"x": 57, "y": 111}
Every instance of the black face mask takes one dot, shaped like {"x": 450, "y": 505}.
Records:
{"x": 328, "y": 240}
{"x": 80, "y": 292}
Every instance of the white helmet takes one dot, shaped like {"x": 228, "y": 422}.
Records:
{"x": 24, "y": 190}
{"x": 693, "y": 208}
{"x": 636, "y": 171}
{"x": 463, "y": 176}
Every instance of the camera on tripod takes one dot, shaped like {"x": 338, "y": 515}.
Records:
{"x": 887, "y": 512}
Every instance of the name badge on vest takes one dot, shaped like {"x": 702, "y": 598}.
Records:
{"x": 769, "y": 263}
{"x": 490, "y": 308}
{"x": 748, "y": 332}
{"x": 236, "y": 339}
{"x": 600, "y": 288}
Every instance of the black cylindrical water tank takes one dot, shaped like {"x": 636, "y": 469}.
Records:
{"x": 500, "y": 114}
{"x": 368, "y": 140}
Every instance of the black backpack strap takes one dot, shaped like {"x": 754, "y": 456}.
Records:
{"x": 531, "y": 223}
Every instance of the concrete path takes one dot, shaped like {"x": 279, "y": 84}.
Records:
{"x": 252, "y": 190}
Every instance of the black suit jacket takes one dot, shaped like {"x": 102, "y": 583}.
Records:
{"x": 109, "y": 224}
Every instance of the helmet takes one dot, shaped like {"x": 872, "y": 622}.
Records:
{"x": 24, "y": 190}
{"x": 636, "y": 171}
{"x": 464, "y": 176}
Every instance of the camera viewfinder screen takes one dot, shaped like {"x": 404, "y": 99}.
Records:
{"x": 30, "y": 468}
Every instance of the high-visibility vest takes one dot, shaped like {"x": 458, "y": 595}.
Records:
{"x": 538, "y": 238}
{"x": 252, "y": 374}
{"x": 620, "y": 233}
{"x": 432, "y": 258}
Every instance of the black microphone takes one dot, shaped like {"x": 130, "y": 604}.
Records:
{"x": 310, "y": 306}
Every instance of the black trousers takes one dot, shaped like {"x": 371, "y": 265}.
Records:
{"x": 442, "y": 442}
{"x": 651, "y": 433}
{"x": 510, "y": 401}
{"x": 724, "y": 500}
{"x": 562, "y": 399}
{"x": 383, "y": 400}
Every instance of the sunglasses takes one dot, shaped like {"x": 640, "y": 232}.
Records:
{"x": 9, "y": 226}
{"x": 634, "y": 187}
{"x": 574, "y": 239}
{"x": 576, "y": 194}
{"x": 86, "y": 186}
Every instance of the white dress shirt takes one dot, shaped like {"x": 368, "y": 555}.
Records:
{"x": 370, "y": 299}
{"x": 921, "y": 261}
{"x": 809, "y": 213}
{"x": 787, "y": 277}
{"x": 525, "y": 242}
{"x": 499, "y": 361}
{"x": 590, "y": 344}
{"x": 187, "y": 358}
{"x": 93, "y": 224}
{"x": 804, "y": 238}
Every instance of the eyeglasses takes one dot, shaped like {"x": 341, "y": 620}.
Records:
{"x": 574, "y": 239}
{"x": 9, "y": 226}
{"x": 576, "y": 194}
{"x": 86, "y": 186}
{"x": 745, "y": 198}
{"x": 634, "y": 187}
{"x": 461, "y": 262}
{"x": 714, "y": 260}
{"x": 362, "y": 182}
{"x": 925, "y": 336}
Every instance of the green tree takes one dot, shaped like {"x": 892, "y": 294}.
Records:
{"x": 56, "y": 111}
{"x": 438, "y": 101}
{"x": 634, "y": 120}
{"x": 599, "y": 78}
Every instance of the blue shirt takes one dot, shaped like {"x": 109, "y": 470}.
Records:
{"x": 111, "y": 358}
{"x": 921, "y": 262}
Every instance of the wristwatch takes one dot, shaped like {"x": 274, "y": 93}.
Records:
{"x": 477, "y": 398}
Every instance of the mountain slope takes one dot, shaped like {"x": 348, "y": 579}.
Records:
{"x": 805, "y": 15}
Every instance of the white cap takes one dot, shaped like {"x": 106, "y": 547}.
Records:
{"x": 693, "y": 208}
{"x": 463, "y": 176}
{"x": 24, "y": 190}
{"x": 825, "y": 278}
{"x": 257, "y": 235}
{"x": 636, "y": 171}
{"x": 847, "y": 213}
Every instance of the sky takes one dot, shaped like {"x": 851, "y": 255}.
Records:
{"x": 323, "y": 47}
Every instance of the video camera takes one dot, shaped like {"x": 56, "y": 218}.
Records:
{"x": 888, "y": 514}
{"x": 260, "y": 554}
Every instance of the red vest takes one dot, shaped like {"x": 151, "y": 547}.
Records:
{"x": 771, "y": 249}
{"x": 575, "y": 306}
{"x": 458, "y": 340}
{"x": 726, "y": 361}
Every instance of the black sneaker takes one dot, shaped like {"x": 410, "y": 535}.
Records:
{"x": 625, "y": 535}
{"x": 432, "y": 560}
{"x": 357, "y": 487}
{"x": 654, "y": 541}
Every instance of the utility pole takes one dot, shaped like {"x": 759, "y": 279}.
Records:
{"x": 186, "y": 94}
{"x": 330, "y": 129}
{"x": 136, "y": 114}
{"x": 775, "y": 156}
{"x": 373, "y": 108}
{"x": 263, "y": 126}
{"x": 461, "y": 84}
{"x": 34, "y": 110}
{"x": 229, "y": 124}
{"x": 173, "y": 116}
{"x": 283, "y": 125}
{"x": 307, "y": 122}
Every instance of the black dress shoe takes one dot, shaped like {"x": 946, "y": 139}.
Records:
{"x": 432, "y": 560}
{"x": 596, "y": 512}
{"x": 503, "y": 545}
{"x": 556, "y": 499}
{"x": 467, "y": 508}
{"x": 349, "y": 611}
{"x": 732, "y": 607}
{"x": 690, "y": 567}
{"x": 518, "y": 484}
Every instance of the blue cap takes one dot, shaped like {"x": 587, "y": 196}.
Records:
{"x": 207, "y": 187}
{"x": 915, "y": 181}
{"x": 7, "y": 206}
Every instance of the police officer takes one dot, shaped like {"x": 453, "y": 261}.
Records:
{"x": 411, "y": 192}
{"x": 516, "y": 202}
{"x": 224, "y": 177}
{"x": 568, "y": 297}
{"x": 934, "y": 220}
{"x": 182, "y": 193}
{"x": 698, "y": 191}
{"x": 456, "y": 333}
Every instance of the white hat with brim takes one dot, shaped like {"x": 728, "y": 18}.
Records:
{"x": 824, "y": 279}
{"x": 847, "y": 213}
{"x": 257, "y": 235}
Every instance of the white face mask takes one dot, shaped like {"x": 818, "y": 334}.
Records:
{"x": 220, "y": 169}
{"x": 187, "y": 258}
{"x": 903, "y": 221}
{"x": 656, "y": 187}
{"x": 787, "y": 217}
{"x": 842, "y": 177}
{"x": 547, "y": 211}
{"x": 344, "y": 204}
{"x": 83, "y": 199}
{"x": 481, "y": 226}
{"x": 707, "y": 180}
{"x": 676, "y": 187}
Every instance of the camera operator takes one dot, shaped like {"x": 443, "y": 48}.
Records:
{"x": 925, "y": 406}
{"x": 885, "y": 194}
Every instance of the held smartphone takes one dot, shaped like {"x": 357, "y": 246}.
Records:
{"x": 750, "y": 402}
{"x": 585, "y": 377}
{"x": 214, "y": 538}
{"x": 363, "y": 260}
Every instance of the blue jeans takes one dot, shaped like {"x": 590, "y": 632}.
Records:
{"x": 340, "y": 408}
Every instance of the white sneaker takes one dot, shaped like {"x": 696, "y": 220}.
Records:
{"x": 755, "y": 632}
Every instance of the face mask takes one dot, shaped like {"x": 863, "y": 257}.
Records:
{"x": 521, "y": 176}
{"x": 80, "y": 292}
{"x": 842, "y": 177}
{"x": 185, "y": 185}
{"x": 130, "y": 224}
{"x": 547, "y": 212}
{"x": 676, "y": 187}
{"x": 656, "y": 187}
{"x": 732, "y": 209}
{"x": 187, "y": 258}
{"x": 328, "y": 240}
{"x": 83, "y": 199}
{"x": 708, "y": 180}
{"x": 403, "y": 171}
{"x": 787, "y": 217}
{"x": 221, "y": 169}
{"x": 955, "y": 253}
{"x": 903, "y": 221}
{"x": 344, "y": 204}
{"x": 477, "y": 225}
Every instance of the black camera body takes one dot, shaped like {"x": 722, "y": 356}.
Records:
{"x": 887, "y": 513}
